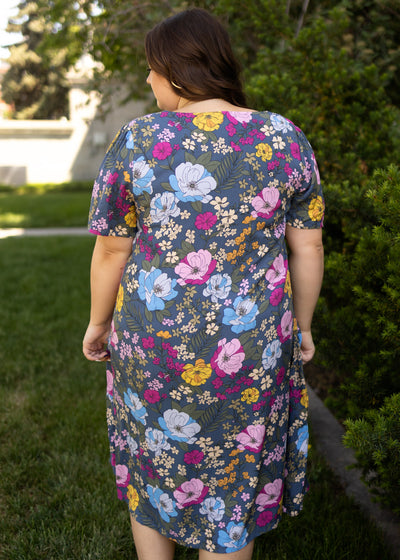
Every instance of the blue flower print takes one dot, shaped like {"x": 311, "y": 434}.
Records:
{"x": 234, "y": 538}
{"x": 155, "y": 287}
{"x": 214, "y": 508}
{"x": 280, "y": 123}
{"x": 243, "y": 315}
{"x": 163, "y": 206}
{"x": 302, "y": 440}
{"x": 218, "y": 287}
{"x": 137, "y": 409}
{"x": 192, "y": 182}
{"x": 179, "y": 426}
{"x": 156, "y": 440}
{"x": 271, "y": 353}
{"x": 129, "y": 140}
{"x": 142, "y": 176}
{"x": 161, "y": 501}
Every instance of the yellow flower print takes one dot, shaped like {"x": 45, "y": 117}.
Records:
{"x": 316, "y": 209}
{"x": 127, "y": 177}
{"x": 163, "y": 334}
{"x": 250, "y": 395}
{"x": 304, "y": 398}
{"x": 133, "y": 497}
{"x": 130, "y": 218}
{"x": 208, "y": 121}
{"x": 229, "y": 468}
{"x": 232, "y": 256}
{"x": 196, "y": 374}
{"x": 264, "y": 151}
{"x": 120, "y": 299}
{"x": 248, "y": 219}
{"x": 288, "y": 285}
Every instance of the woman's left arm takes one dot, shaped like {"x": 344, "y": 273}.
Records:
{"x": 109, "y": 258}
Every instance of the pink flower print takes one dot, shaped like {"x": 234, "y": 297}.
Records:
{"x": 190, "y": 492}
{"x": 195, "y": 268}
{"x": 242, "y": 117}
{"x": 110, "y": 383}
{"x": 95, "y": 191}
{"x": 295, "y": 150}
{"x": 280, "y": 376}
{"x": 316, "y": 170}
{"x": 122, "y": 475}
{"x": 148, "y": 342}
{"x": 193, "y": 457}
{"x": 235, "y": 147}
{"x": 276, "y": 296}
{"x": 251, "y": 438}
{"x": 230, "y": 129}
{"x": 288, "y": 170}
{"x": 270, "y": 495}
{"x": 276, "y": 274}
{"x": 151, "y": 396}
{"x": 205, "y": 221}
{"x": 285, "y": 329}
{"x": 162, "y": 150}
{"x": 113, "y": 336}
{"x": 112, "y": 178}
{"x": 228, "y": 357}
{"x": 266, "y": 202}
{"x": 264, "y": 518}
{"x": 217, "y": 382}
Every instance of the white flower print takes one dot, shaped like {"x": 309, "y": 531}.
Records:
{"x": 192, "y": 182}
{"x": 163, "y": 206}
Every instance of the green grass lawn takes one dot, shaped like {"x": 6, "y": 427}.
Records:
{"x": 57, "y": 492}
{"x": 45, "y": 206}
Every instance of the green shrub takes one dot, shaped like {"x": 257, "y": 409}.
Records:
{"x": 358, "y": 320}
{"x": 376, "y": 441}
{"x": 317, "y": 80}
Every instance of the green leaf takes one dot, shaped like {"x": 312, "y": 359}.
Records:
{"x": 155, "y": 261}
{"x": 159, "y": 316}
{"x": 197, "y": 206}
{"x": 187, "y": 247}
{"x": 146, "y": 265}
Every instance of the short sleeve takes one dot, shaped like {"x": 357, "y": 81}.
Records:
{"x": 112, "y": 209}
{"x": 307, "y": 206}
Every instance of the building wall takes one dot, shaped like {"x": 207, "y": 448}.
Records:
{"x": 40, "y": 151}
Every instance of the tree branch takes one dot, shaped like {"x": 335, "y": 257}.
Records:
{"x": 301, "y": 18}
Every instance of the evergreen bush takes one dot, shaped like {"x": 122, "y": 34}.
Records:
{"x": 376, "y": 441}
{"x": 358, "y": 320}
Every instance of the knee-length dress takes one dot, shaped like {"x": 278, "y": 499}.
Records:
{"x": 207, "y": 404}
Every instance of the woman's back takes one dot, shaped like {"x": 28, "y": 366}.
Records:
{"x": 205, "y": 355}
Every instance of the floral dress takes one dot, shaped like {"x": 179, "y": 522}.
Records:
{"x": 207, "y": 404}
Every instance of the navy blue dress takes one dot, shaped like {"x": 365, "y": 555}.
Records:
{"x": 207, "y": 404}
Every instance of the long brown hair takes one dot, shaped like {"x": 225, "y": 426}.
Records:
{"x": 192, "y": 50}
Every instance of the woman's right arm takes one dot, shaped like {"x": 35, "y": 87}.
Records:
{"x": 108, "y": 262}
{"x": 306, "y": 265}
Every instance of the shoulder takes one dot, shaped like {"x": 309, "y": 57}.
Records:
{"x": 149, "y": 119}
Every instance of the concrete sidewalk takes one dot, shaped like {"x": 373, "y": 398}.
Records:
{"x": 328, "y": 432}
{"x": 41, "y": 232}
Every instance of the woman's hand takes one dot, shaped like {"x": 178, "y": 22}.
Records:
{"x": 95, "y": 343}
{"x": 307, "y": 346}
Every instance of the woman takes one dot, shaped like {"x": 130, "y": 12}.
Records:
{"x": 192, "y": 297}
